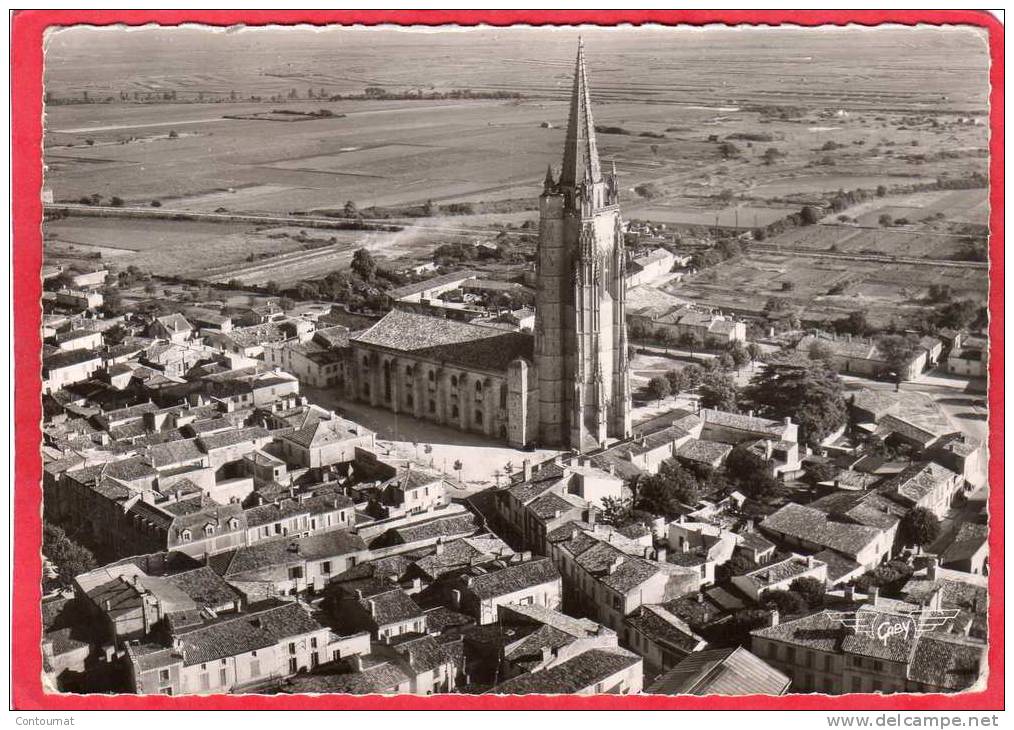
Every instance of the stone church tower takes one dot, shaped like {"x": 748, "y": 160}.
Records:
{"x": 580, "y": 330}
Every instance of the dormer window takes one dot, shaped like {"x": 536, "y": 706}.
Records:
{"x": 209, "y": 530}
{"x": 233, "y": 523}
{"x": 185, "y": 536}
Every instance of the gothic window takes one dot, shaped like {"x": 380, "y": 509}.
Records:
{"x": 454, "y": 381}
{"x": 478, "y": 417}
{"x": 478, "y": 386}
{"x": 366, "y": 389}
{"x": 433, "y": 406}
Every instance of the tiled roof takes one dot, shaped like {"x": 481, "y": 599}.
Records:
{"x": 915, "y": 482}
{"x": 316, "y": 431}
{"x": 721, "y": 672}
{"x": 174, "y": 452}
{"x": 421, "y": 286}
{"x": 949, "y": 662}
{"x": 204, "y": 586}
{"x": 775, "y": 573}
{"x": 378, "y": 679}
{"x": 453, "y": 526}
{"x": 175, "y": 322}
{"x": 970, "y": 539}
{"x": 741, "y": 422}
{"x": 447, "y": 340}
{"x": 233, "y": 437}
{"x": 706, "y": 452}
{"x": 267, "y": 513}
{"x": 69, "y": 358}
{"x": 821, "y": 631}
{"x": 520, "y": 576}
{"x": 659, "y": 625}
{"x": 814, "y": 526}
{"x": 391, "y": 607}
{"x": 284, "y": 551}
{"x": 580, "y": 673}
{"x": 244, "y": 633}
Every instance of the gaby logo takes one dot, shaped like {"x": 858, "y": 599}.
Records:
{"x": 882, "y": 626}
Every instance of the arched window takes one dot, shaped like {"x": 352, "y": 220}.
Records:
{"x": 366, "y": 361}
{"x": 366, "y": 389}
{"x": 454, "y": 381}
{"x": 408, "y": 370}
{"x": 478, "y": 386}
{"x": 408, "y": 400}
{"x": 454, "y": 411}
{"x": 478, "y": 417}
{"x": 503, "y": 395}
{"x": 432, "y": 376}
{"x": 433, "y": 406}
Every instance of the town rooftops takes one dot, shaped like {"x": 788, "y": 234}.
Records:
{"x": 204, "y": 586}
{"x": 285, "y": 551}
{"x": 437, "y": 281}
{"x": 582, "y": 672}
{"x": 316, "y": 430}
{"x": 971, "y": 538}
{"x": 175, "y": 323}
{"x": 266, "y": 514}
{"x": 812, "y": 525}
{"x": 917, "y": 481}
{"x": 741, "y": 422}
{"x": 68, "y": 358}
{"x": 513, "y": 578}
{"x": 445, "y": 340}
{"x": 244, "y": 633}
{"x": 659, "y": 625}
{"x": 788, "y": 569}
{"x": 721, "y": 672}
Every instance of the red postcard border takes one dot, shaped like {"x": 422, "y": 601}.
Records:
{"x": 27, "y": 29}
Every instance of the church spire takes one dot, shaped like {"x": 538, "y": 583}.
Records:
{"x": 580, "y": 154}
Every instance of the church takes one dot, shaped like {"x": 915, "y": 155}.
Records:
{"x": 568, "y": 385}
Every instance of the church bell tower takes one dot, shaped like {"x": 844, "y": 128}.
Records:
{"x": 580, "y": 328}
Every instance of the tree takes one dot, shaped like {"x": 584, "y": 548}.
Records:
{"x": 855, "y": 323}
{"x": 728, "y": 149}
{"x": 693, "y": 342}
{"x": 810, "y": 393}
{"x": 787, "y": 602}
{"x": 659, "y": 388}
{"x": 458, "y": 466}
{"x": 286, "y": 304}
{"x": 678, "y": 381}
{"x": 663, "y": 493}
{"x": 809, "y": 215}
{"x": 116, "y": 201}
{"x": 364, "y": 265}
{"x": 718, "y": 390}
{"x": 821, "y": 471}
{"x": 898, "y": 352}
{"x": 919, "y": 527}
{"x": 350, "y": 210}
{"x": 810, "y": 589}
{"x": 755, "y": 351}
{"x": 68, "y": 557}
{"x": 112, "y": 303}
{"x": 885, "y": 220}
{"x": 751, "y": 473}
{"x": 615, "y": 510}
{"x": 822, "y": 350}
{"x": 156, "y": 204}
{"x": 693, "y": 373}
{"x": 725, "y": 361}
{"x": 881, "y": 191}
{"x": 173, "y": 134}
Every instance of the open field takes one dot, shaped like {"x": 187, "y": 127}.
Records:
{"x": 684, "y": 88}
{"x": 884, "y": 291}
{"x": 223, "y": 251}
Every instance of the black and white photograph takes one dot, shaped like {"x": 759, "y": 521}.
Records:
{"x": 559, "y": 360}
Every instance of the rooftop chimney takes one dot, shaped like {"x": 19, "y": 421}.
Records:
{"x": 526, "y": 469}
{"x": 931, "y": 568}
{"x": 874, "y": 595}
{"x": 774, "y": 618}
{"x": 439, "y": 546}
{"x": 661, "y": 554}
